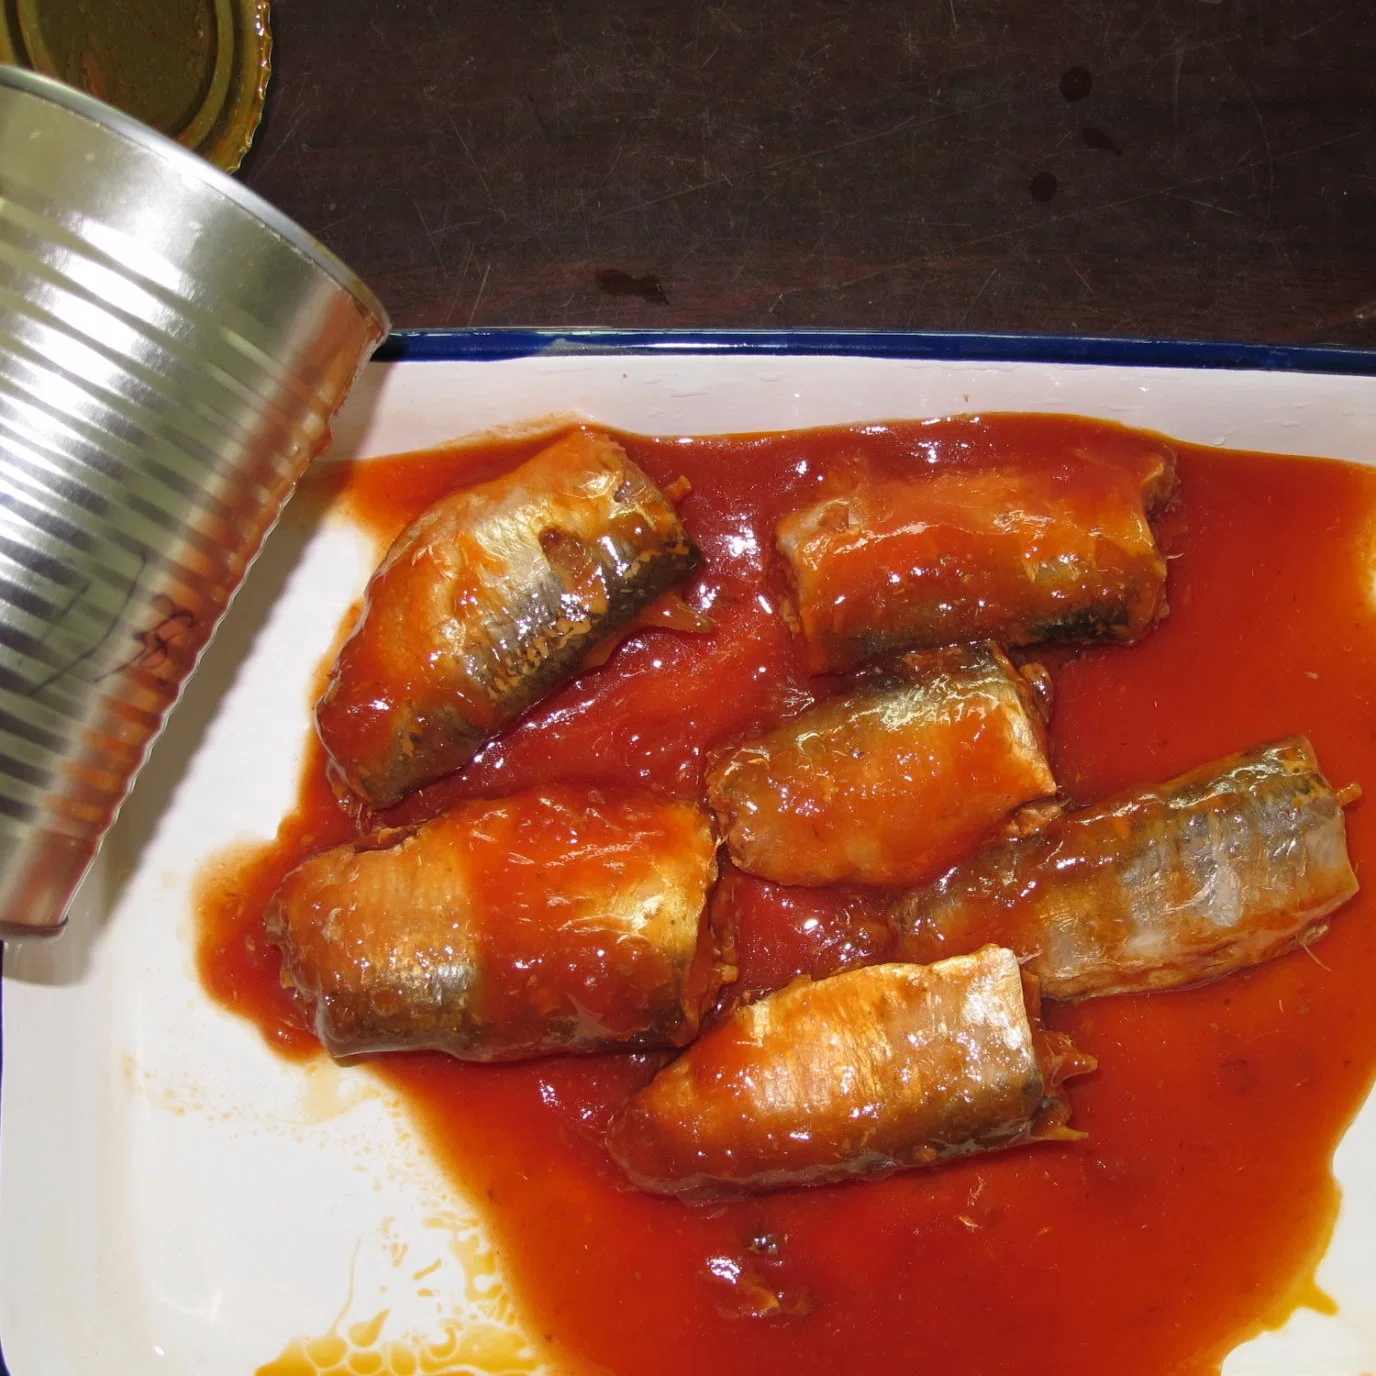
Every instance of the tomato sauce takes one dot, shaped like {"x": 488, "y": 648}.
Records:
{"x": 1193, "y": 1212}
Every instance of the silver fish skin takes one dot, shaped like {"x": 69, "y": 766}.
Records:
{"x": 559, "y": 919}
{"x": 889, "y": 782}
{"x": 1219, "y": 869}
{"x": 489, "y": 601}
{"x": 874, "y": 1070}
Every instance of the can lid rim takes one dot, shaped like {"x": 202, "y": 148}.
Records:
{"x": 79, "y": 103}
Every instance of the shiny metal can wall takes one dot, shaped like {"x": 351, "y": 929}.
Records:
{"x": 172, "y": 351}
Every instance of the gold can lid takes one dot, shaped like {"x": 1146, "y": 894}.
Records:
{"x": 195, "y": 69}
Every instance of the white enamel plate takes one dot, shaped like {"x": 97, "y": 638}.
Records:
{"x": 176, "y": 1198}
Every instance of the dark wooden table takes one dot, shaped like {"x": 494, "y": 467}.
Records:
{"x": 1195, "y": 168}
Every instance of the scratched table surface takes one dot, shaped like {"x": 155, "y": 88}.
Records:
{"x": 1172, "y": 167}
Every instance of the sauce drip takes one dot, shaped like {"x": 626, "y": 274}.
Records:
{"x": 1195, "y": 1209}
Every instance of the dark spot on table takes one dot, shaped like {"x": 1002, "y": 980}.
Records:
{"x": 1043, "y": 186}
{"x": 617, "y": 283}
{"x": 1096, "y": 138}
{"x": 1076, "y": 83}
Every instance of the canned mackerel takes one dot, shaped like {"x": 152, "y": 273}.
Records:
{"x": 172, "y": 350}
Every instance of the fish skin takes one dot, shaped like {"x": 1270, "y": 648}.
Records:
{"x": 871, "y": 1071}
{"x": 863, "y": 1073}
{"x": 887, "y": 783}
{"x": 1216, "y": 870}
{"x": 558, "y": 919}
{"x": 1022, "y": 555}
{"x": 489, "y": 601}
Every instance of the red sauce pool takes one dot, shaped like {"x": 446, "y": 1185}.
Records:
{"x": 1194, "y": 1211}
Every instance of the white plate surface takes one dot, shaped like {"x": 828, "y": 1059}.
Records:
{"x": 176, "y": 1199}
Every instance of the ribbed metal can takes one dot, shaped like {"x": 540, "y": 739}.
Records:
{"x": 172, "y": 351}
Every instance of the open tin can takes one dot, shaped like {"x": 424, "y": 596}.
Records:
{"x": 172, "y": 351}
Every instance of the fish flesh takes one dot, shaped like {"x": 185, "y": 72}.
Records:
{"x": 1224, "y": 867}
{"x": 889, "y": 783}
{"x": 557, "y": 919}
{"x": 867, "y": 1072}
{"x": 491, "y": 599}
{"x": 1020, "y": 554}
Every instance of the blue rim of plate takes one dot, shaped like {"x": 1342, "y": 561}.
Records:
{"x": 498, "y": 345}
